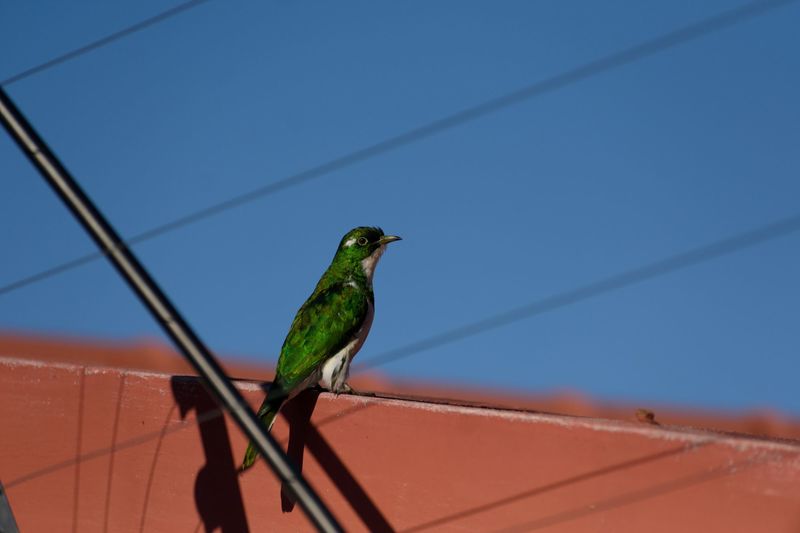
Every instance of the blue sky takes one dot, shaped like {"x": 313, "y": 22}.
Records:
{"x": 635, "y": 164}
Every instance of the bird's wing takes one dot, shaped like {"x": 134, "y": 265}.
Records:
{"x": 327, "y": 321}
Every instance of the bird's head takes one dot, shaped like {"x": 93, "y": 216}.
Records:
{"x": 363, "y": 245}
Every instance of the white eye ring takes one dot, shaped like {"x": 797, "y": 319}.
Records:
{"x": 362, "y": 241}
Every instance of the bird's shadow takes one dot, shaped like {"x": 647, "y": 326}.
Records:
{"x": 303, "y": 434}
{"x": 216, "y": 489}
{"x": 217, "y": 493}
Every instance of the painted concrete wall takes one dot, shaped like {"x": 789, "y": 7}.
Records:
{"x": 155, "y": 356}
{"x": 99, "y": 449}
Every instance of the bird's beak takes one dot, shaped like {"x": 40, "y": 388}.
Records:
{"x": 386, "y": 239}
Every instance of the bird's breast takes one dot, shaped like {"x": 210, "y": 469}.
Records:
{"x": 336, "y": 369}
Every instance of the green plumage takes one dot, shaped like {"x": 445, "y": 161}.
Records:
{"x": 326, "y": 322}
{"x": 334, "y": 319}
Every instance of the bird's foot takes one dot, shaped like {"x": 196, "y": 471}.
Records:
{"x": 343, "y": 389}
{"x": 350, "y": 390}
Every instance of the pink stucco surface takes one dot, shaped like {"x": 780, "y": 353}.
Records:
{"x": 101, "y": 449}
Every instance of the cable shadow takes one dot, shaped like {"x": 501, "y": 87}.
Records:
{"x": 557, "y": 485}
{"x": 303, "y": 434}
{"x": 150, "y": 436}
{"x": 638, "y": 495}
{"x": 78, "y": 445}
{"x": 152, "y": 475}
{"x": 216, "y": 490}
{"x": 113, "y": 452}
{"x": 101, "y": 452}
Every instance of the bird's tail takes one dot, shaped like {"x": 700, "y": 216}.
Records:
{"x": 267, "y": 413}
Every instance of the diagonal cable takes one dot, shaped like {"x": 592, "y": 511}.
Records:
{"x": 665, "y": 266}
{"x": 164, "y": 312}
{"x": 609, "y": 62}
{"x": 108, "y": 39}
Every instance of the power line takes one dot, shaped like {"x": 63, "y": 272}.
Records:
{"x": 94, "y": 45}
{"x": 50, "y": 272}
{"x": 686, "y": 259}
{"x": 629, "y": 55}
{"x": 163, "y": 312}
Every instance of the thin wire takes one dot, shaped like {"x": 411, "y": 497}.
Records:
{"x": 50, "y": 272}
{"x": 686, "y": 259}
{"x": 163, "y": 312}
{"x": 94, "y": 45}
{"x": 549, "y": 85}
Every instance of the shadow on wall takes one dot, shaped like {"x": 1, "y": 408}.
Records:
{"x": 303, "y": 434}
{"x": 216, "y": 487}
{"x": 217, "y": 493}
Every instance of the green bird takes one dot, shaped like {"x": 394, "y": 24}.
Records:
{"x": 329, "y": 328}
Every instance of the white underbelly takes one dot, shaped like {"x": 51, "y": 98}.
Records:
{"x": 335, "y": 370}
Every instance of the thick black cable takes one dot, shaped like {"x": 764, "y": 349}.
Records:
{"x": 170, "y": 319}
{"x": 629, "y": 55}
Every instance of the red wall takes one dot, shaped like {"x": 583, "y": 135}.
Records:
{"x": 95, "y": 449}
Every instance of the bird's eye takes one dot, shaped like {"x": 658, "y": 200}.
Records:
{"x": 362, "y": 241}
